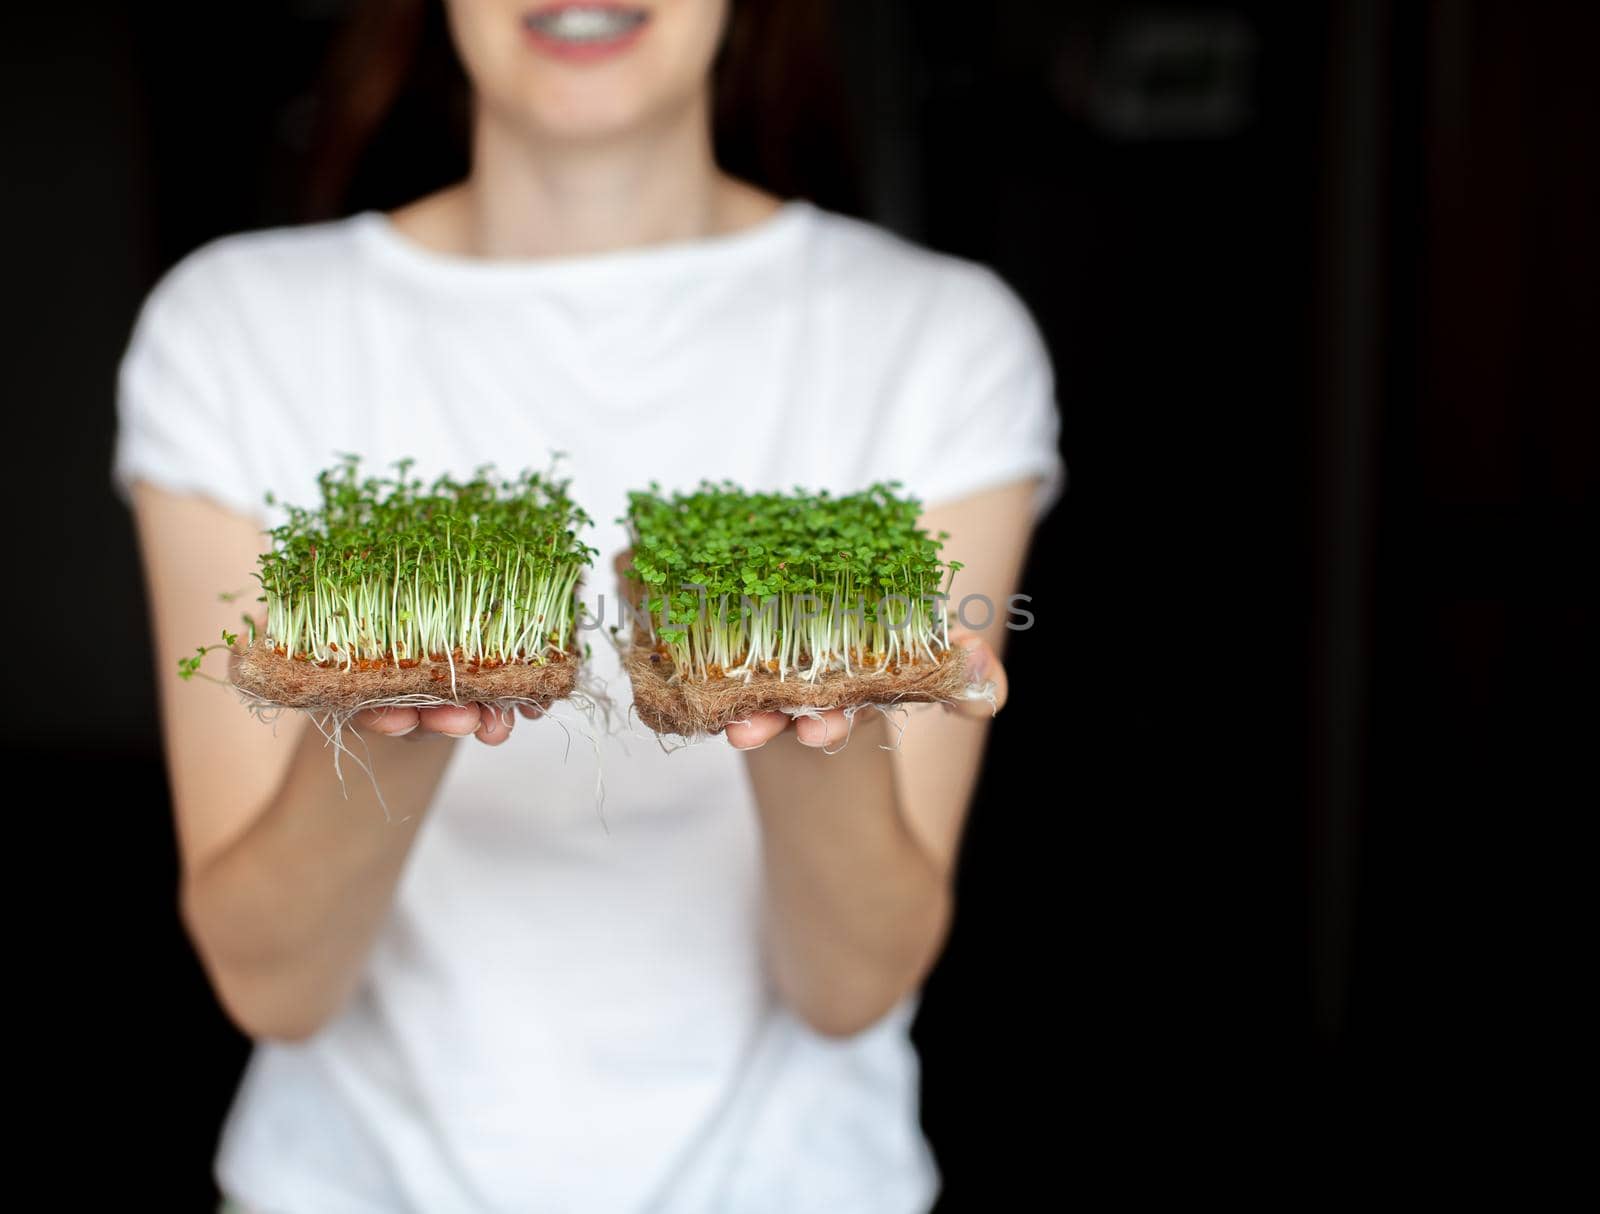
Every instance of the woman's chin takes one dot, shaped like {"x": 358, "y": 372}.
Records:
{"x": 577, "y": 119}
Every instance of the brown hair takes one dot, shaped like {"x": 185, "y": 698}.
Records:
{"x": 394, "y": 106}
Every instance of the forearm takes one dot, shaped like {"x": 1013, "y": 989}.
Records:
{"x": 284, "y": 916}
{"x": 856, "y": 909}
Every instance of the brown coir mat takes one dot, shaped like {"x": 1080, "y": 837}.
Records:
{"x": 688, "y": 707}
{"x": 274, "y": 678}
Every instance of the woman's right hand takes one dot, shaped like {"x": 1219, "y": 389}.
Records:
{"x": 287, "y": 871}
{"x": 490, "y": 725}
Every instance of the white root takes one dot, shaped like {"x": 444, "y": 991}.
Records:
{"x": 987, "y": 691}
{"x": 333, "y": 724}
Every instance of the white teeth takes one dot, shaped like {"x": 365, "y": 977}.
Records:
{"x": 585, "y": 24}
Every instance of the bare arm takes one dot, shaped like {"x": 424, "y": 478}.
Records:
{"x": 284, "y": 880}
{"x": 860, "y": 845}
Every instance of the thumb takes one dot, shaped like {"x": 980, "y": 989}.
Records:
{"x": 987, "y": 685}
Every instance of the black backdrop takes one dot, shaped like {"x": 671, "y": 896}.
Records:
{"x": 1240, "y": 878}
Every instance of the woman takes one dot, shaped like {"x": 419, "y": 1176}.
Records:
{"x": 495, "y": 1000}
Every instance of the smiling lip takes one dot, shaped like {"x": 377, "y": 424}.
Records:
{"x": 587, "y": 50}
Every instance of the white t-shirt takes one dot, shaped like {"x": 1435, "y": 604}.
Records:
{"x": 567, "y": 1008}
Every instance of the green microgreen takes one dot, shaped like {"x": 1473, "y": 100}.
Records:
{"x": 390, "y": 570}
{"x": 796, "y": 584}
{"x": 190, "y": 666}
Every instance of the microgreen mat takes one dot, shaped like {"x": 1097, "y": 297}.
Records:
{"x": 395, "y": 571}
{"x": 794, "y": 584}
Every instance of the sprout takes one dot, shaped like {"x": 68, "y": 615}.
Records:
{"x": 390, "y": 571}
{"x": 792, "y": 584}
{"x": 190, "y": 666}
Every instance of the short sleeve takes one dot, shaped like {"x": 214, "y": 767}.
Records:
{"x": 991, "y": 417}
{"x": 178, "y": 424}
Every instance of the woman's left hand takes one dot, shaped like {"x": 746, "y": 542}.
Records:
{"x": 830, "y": 729}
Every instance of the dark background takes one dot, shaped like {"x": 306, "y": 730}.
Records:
{"x": 1264, "y": 870}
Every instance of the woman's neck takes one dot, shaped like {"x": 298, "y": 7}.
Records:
{"x": 527, "y": 197}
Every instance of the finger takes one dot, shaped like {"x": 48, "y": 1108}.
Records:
{"x": 494, "y": 724}
{"x": 760, "y": 729}
{"x": 452, "y": 720}
{"x": 828, "y": 731}
{"x": 986, "y": 677}
{"x": 390, "y": 722}
{"x": 532, "y": 711}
